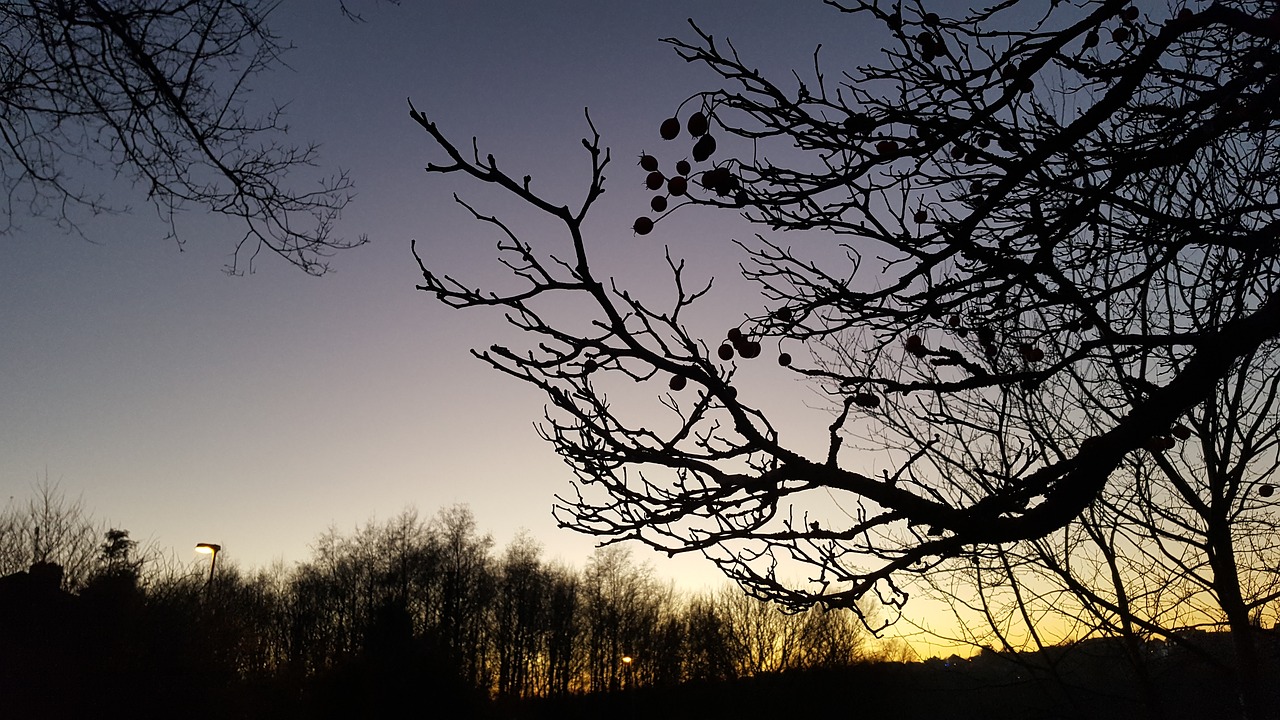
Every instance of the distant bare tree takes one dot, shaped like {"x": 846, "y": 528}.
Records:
{"x": 520, "y": 610}
{"x": 709, "y": 646}
{"x": 458, "y": 620}
{"x": 564, "y": 629}
{"x": 765, "y": 639}
{"x": 622, "y": 606}
{"x": 50, "y": 527}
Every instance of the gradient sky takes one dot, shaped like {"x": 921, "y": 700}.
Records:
{"x": 186, "y": 405}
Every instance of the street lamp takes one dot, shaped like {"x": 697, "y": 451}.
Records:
{"x": 629, "y": 685}
{"x": 209, "y": 549}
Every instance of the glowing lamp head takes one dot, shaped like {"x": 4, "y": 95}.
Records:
{"x": 208, "y": 548}
{"x": 626, "y": 659}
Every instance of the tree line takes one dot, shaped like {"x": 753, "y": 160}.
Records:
{"x": 429, "y": 610}
{"x": 425, "y": 600}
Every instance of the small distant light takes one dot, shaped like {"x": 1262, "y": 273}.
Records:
{"x": 208, "y": 548}
{"x": 626, "y": 659}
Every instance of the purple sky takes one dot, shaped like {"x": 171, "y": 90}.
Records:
{"x": 188, "y": 406}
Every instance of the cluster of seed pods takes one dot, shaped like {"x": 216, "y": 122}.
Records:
{"x": 718, "y": 180}
{"x": 736, "y": 343}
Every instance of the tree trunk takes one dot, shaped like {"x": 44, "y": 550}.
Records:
{"x": 1226, "y": 581}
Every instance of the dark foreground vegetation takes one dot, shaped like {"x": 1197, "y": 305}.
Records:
{"x": 424, "y": 616}
{"x": 1090, "y": 681}
{"x": 407, "y": 608}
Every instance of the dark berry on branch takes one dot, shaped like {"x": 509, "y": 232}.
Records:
{"x": 697, "y": 124}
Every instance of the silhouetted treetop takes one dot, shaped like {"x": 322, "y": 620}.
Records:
{"x": 156, "y": 92}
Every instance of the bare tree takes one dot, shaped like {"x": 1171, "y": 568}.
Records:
{"x": 564, "y": 628}
{"x": 765, "y": 639}
{"x": 467, "y": 586}
{"x": 622, "y": 606}
{"x": 520, "y": 618}
{"x": 709, "y": 646}
{"x": 157, "y": 92}
{"x": 50, "y": 527}
{"x": 1022, "y": 207}
{"x": 1186, "y": 538}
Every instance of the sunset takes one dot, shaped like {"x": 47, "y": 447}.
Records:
{"x": 939, "y": 341}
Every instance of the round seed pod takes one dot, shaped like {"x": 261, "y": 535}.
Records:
{"x": 697, "y": 124}
{"x": 704, "y": 148}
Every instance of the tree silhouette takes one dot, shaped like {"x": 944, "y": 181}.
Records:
{"x": 156, "y": 92}
{"x": 53, "y": 528}
{"x": 520, "y": 610}
{"x": 1012, "y": 206}
{"x": 1184, "y": 538}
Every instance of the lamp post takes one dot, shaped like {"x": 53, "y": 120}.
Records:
{"x": 209, "y": 549}
{"x": 628, "y": 689}
{"x": 626, "y": 671}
